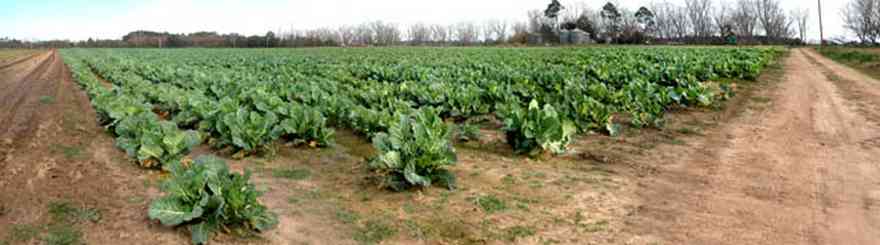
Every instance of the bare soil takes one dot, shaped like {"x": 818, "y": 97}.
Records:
{"x": 52, "y": 151}
{"x": 790, "y": 160}
{"x": 803, "y": 171}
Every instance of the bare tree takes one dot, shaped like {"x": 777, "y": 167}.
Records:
{"x": 385, "y": 34}
{"x": 679, "y": 21}
{"x": 346, "y": 35}
{"x": 419, "y": 34}
{"x": 700, "y": 15}
{"x": 466, "y": 33}
{"x": 772, "y": 19}
{"x": 439, "y": 33}
{"x": 498, "y": 29}
{"x": 801, "y": 17}
{"x": 861, "y": 17}
{"x": 364, "y": 35}
{"x": 535, "y": 21}
{"x": 662, "y": 19}
{"x": 722, "y": 16}
{"x": 744, "y": 18}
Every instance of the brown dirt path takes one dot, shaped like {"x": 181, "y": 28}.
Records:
{"x": 797, "y": 172}
{"x": 52, "y": 150}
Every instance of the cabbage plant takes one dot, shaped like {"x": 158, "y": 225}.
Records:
{"x": 205, "y": 197}
{"x": 536, "y": 130}
{"x": 414, "y": 152}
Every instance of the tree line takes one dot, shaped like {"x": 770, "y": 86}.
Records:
{"x": 663, "y": 22}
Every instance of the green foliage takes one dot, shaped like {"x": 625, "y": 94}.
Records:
{"x": 415, "y": 152}
{"x": 468, "y": 132}
{"x": 536, "y": 130}
{"x": 63, "y": 235}
{"x": 374, "y": 231}
{"x": 153, "y": 142}
{"x": 306, "y": 125}
{"x": 206, "y": 197}
{"x": 294, "y": 174}
{"x": 490, "y": 203}
{"x": 247, "y": 129}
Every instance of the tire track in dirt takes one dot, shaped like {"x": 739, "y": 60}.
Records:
{"x": 62, "y": 154}
{"x": 794, "y": 173}
{"x": 19, "y": 105}
{"x": 18, "y": 61}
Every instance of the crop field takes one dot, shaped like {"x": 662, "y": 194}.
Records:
{"x": 246, "y": 100}
{"x": 418, "y": 145}
{"x": 416, "y": 106}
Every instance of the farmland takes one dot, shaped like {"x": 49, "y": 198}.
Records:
{"x": 246, "y": 100}
{"x": 598, "y": 145}
{"x": 161, "y": 105}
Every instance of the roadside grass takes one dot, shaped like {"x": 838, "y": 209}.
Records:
{"x": 60, "y": 229}
{"x": 864, "y": 60}
{"x": 291, "y": 173}
{"x": 69, "y": 152}
{"x": 47, "y": 100}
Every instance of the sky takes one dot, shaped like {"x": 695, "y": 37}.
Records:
{"x": 107, "y": 19}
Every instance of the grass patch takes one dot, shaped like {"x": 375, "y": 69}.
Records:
{"x": 347, "y": 216}
{"x": 516, "y": 232}
{"x": 374, "y": 231}
{"x": 596, "y": 226}
{"x": 762, "y": 99}
{"x": 69, "y": 152}
{"x": 293, "y": 174}
{"x": 21, "y": 233}
{"x": 490, "y": 204}
{"x": 64, "y": 212}
{"x": 689, "y": 131}
{"x": 63, "y": 235}
{"x": 47, "y": 99}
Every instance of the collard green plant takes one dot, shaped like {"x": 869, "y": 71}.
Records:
{"x": 154, "y": 143}
{"x": 306, "y": 125}
{"x": 248, "y": 130}
{"x": 206, "y": 197}
{"x": 415, "y": 152}
{"x": 536, "y": 130}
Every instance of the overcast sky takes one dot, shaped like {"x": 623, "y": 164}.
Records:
{"x": 82, "y": 19}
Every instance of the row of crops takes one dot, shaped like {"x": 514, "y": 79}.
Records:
{"x": 162, "y": 103}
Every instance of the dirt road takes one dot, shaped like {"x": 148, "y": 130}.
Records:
{"x": 53, "y": 152}
{"x": 804, "y": 170}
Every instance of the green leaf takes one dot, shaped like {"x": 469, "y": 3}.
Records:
{"x": 171, "y": 211}
{"x": 265, "y": 222}
{"x": 148, "y": 151}
{"x": 412, "y": 177}
{"x": 201, "y": 232}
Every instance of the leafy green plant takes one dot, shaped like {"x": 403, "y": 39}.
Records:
{"x": 306, "y": 125}
{"x": 536, "y": 130}
{"x": 206, "y": 197}
{"x": 414, "y": 152}
{"x": 247, "y": 129}
{"x": 154, "y": 143}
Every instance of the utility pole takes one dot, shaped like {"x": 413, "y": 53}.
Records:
{"x": 821, "y": 31}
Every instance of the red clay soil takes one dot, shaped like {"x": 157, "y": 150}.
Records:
{"x": 52, "y": 150}
{"x": 803, "y": 171}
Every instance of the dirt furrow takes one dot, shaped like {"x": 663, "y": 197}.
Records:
{"x": 794, "y": 173}
{"x": 21, "y": 105}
